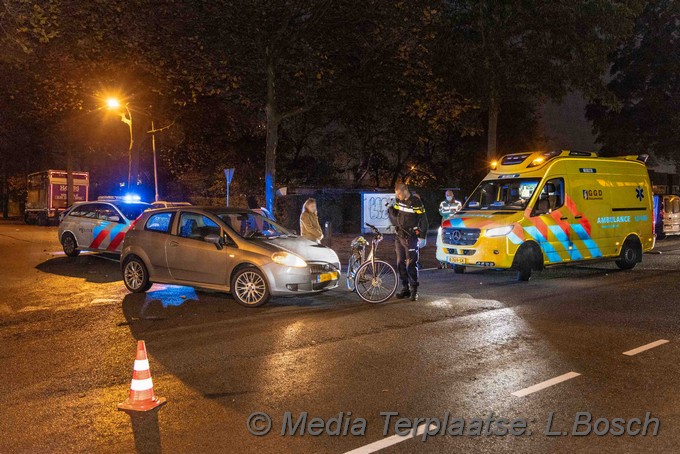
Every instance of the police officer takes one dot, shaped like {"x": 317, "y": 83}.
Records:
{"x": 449, "y": 206}
{"x": 407, "y": 215}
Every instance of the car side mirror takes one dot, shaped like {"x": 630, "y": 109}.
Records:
{"x": 214, "y": 239}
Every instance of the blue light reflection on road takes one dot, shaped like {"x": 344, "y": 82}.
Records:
{"x": 171, "y": 295}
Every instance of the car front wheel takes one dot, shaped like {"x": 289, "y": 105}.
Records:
{"x": 249, "y": 288}
{"x": 136, "y": 276}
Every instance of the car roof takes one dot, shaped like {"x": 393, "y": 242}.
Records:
{"x": 209, "y": 209}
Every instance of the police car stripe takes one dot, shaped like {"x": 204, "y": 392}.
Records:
{"x": 100, "y": 235}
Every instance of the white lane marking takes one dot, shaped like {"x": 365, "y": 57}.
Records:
{"x": 545, "y": 384}
{"x": 73, "y": 306}
{"x": 389, "y": 441}
{"x": 428, "y": 269}
{"x": 104, "y": 301}
{"x": 645, "y": 347}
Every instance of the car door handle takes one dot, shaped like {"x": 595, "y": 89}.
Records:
{"x": 563, "y": 218}
{"x": 173, "y": 244}
{"x": 578, "y": 217}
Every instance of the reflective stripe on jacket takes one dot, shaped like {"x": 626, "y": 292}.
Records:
{"x": 408, "y": 216}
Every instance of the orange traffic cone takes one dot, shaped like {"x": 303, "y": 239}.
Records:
{"x": 141, "y": 388}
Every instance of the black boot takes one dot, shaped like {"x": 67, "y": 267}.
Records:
{"x": 414, "y": 293}
{"x": 404, "y": 293}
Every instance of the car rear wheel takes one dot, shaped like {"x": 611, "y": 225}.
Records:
{"x": 136, "y": 276}
{"x": 352, "y": 267}
{"x": 631, "y": 254}
{"x": 249, "y": 287}
{"x": 68, "y": 242}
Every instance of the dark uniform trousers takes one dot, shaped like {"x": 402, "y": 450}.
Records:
{"x": 407, "y": 259}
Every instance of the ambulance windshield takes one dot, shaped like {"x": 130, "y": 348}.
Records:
{"x": 503, "y": 194}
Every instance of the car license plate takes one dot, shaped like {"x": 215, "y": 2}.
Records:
{"x": 458, "y": 260}
{"x": 325, "y": 277}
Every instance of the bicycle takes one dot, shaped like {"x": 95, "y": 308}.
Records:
{"x": 374, "y": 280}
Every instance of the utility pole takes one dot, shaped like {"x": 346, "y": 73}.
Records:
{"x": 155, "y": 168}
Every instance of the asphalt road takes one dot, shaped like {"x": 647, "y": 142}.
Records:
{"x": 473, "y": 346}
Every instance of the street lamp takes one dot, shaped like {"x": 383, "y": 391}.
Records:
{"x": 125, "y": 117}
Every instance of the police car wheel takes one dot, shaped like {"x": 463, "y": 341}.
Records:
{"x": 136, "y": 276}
{"x": 458, "y": 269}
{"x": 630, "y": 255}
{"x": 68, "y": 242}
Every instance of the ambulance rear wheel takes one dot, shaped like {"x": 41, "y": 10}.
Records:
{"x": 458, "y": 269}
{"x": 631, "y": 254}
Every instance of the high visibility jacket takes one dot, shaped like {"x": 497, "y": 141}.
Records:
{"x": 448, "y": 209}
{"x": 408, "y": 216}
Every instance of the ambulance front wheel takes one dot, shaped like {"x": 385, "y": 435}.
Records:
{"x": 631, "y": 254}
{"x": 528, "y": 258}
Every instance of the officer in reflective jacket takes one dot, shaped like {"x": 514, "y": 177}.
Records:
{"x": 408, "y": 217}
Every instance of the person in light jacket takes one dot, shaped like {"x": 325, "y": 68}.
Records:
{"x": 309, "y": 222}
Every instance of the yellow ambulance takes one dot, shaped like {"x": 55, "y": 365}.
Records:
{"x": 540, "y": 209}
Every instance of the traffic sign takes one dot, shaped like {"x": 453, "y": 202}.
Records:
{"x": 229, "y": 174}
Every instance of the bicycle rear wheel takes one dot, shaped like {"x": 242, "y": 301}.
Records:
{"x": 352, "y": 267}
{"x": 376, "y": 281}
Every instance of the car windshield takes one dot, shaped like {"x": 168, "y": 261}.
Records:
{"x": 505, "y": 194}
{"x": 253, "y": 225}
{"x": 132, "y": 210}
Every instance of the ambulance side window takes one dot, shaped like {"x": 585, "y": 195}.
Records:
{"x": 551, "y": 197}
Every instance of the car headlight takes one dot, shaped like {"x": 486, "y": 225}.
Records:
{"x": 499, "y": 231}
{"x": 287, "y": 259}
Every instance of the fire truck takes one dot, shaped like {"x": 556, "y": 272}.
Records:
{"x": 48, "y": 195}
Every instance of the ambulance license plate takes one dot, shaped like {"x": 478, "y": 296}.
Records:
{"x": 457, "y": 260}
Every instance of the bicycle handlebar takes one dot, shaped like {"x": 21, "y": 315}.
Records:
{"x": 374, "y": 228}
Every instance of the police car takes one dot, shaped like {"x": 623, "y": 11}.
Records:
{"x": 99, "y": 225}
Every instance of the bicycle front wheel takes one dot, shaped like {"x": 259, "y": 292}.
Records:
{"x": 376, "y": 281}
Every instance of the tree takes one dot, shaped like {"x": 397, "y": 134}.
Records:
{"x": 645, "y": 78}
{"x": 516, "y": 50}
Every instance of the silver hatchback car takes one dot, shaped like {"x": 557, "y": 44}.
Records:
{"x": 227, "y": 249}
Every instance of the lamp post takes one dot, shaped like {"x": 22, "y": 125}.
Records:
{"x": 125, "y": 117}
{"x": 155, "y": 169}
